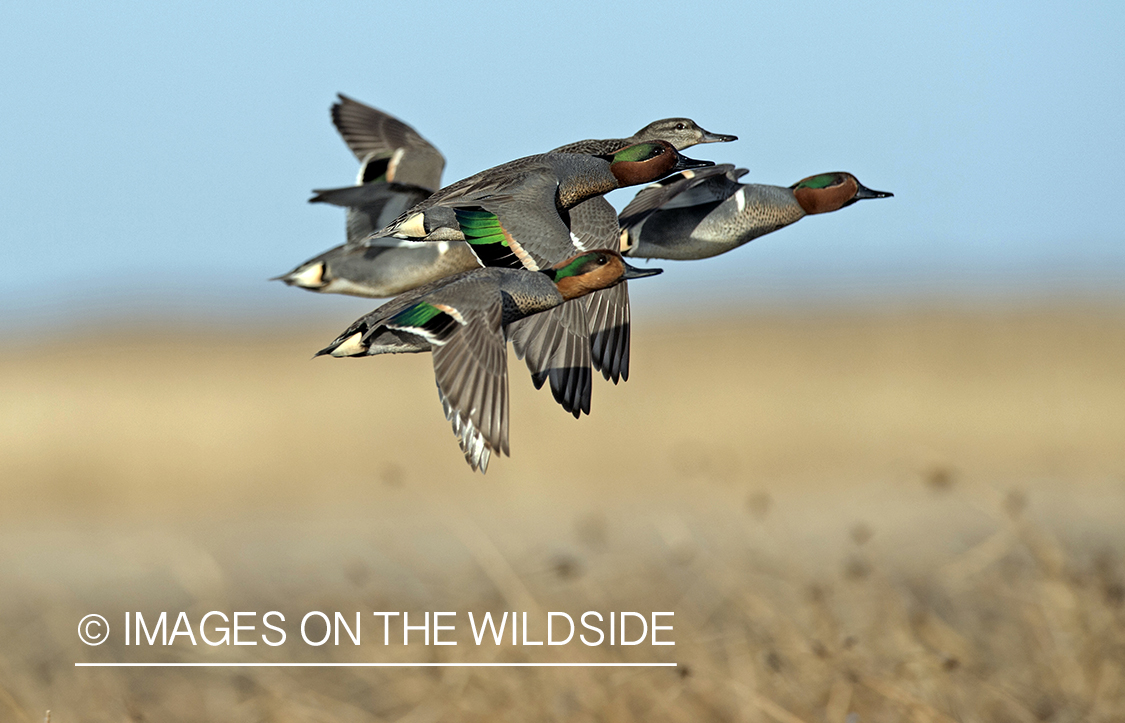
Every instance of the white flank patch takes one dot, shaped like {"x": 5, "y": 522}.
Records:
{"x": 625, "y": 244}
{"x": 352, "y": 346}
{"x": 740, "y": 199}
{"x": 310, "y": 278}
{"x": 413, "y": 227}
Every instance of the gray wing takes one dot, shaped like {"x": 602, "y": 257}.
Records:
{"x": 509, "y": 181}
{"x": 608, "y": 311}
{"x": 471, "y": 369}
{"x": 556, "y": 345}
{"x": 544, "y": 236}
{"x": 594, "y": 224}
{"x": 713, "y": 184}
{"x": 537, "y": 237}
{"x": 371, "y": 206}
{"x": 371, "y": 133}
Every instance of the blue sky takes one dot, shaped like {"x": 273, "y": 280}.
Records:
{"x": 157, "y": 158}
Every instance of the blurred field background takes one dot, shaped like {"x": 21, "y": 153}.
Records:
{"x": 890, "y": 488}
{"x": 905, "y": 515}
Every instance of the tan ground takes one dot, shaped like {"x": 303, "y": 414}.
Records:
{"x": 914, "y": 516}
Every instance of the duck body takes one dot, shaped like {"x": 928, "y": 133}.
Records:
{"x": 702, "y": 214}
{"x": 534, "y": 194}
{"x": 463, "y": 319}
{"x": 400, "y": 169}
{"x": 381, "y": 271}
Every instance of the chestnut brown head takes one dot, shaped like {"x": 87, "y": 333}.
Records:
{"x": 649, "y": 161}
{"x": 593, "y": 270}
{"x": 827, "y": 192}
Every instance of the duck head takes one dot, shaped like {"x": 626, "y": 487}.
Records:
{"x": 649, "y": 161}
{"x": 681, "y": 133}
{"x": 827, "y": 192}
{"x": 593, "y": 270}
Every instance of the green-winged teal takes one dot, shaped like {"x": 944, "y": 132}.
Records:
{"x": 698, "y": 214}
{"x": 463, "y": 319}
{"x": 398, "y": 169}
{"x": 517, "y": 214}
{"x": 593, "y": 224}
{"x": 534, "y": 195}
{"x": 383, "y": 268}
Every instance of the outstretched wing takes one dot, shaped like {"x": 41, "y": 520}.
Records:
{"x": 556, "y": 345}
{"x": 372, "y": 134}
{"x": 608, "y": 311}
{"x": 471, "y": 369}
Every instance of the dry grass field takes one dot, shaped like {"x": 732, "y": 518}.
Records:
{"x": 863, "y": 517}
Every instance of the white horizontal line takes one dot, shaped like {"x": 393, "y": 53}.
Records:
{"x": 376, "y": 665}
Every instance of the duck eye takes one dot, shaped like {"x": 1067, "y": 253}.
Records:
{"x": 680, "y": 126}
{"x": 602, "y": 260}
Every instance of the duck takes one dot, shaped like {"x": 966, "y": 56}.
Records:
{"x": 699, "y": 214}
{"x": 517, "y": 214}
{"x": 463, "y": 320}
{"x": 381, "y": 267}
{"x": 399, "y": 169}
{"x": 534, "y": 194}
{"x": 594, "y": 224}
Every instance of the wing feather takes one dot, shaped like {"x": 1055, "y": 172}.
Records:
{"x": 609, "y": 331}
{"x": 555, "y": 345}
{"x": 471, "y": 369}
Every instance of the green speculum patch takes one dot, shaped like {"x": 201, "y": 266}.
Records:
{"x": 417, "y": 315}
{"x": 480, "y": 227}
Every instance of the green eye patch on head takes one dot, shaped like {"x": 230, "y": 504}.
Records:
{"x": 579, "y": 265}
{"x": 824, "y": 180}
{"x": 638, "y": 152}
